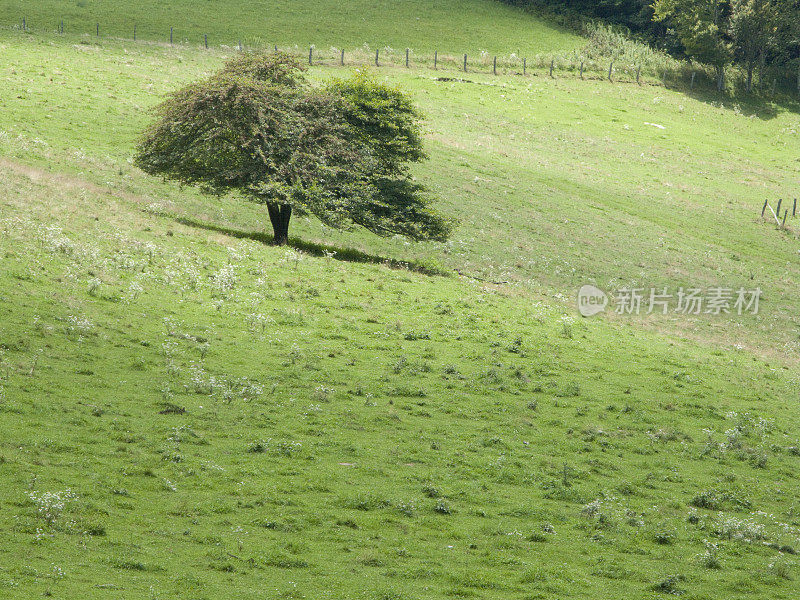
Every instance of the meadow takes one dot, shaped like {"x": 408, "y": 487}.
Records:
{"x": 188, "y": 412}
{"x": 557, "y": 159}
{"x": 448, "y": 26}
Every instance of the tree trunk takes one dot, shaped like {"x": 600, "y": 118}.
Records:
{"x": 279, "y": 216}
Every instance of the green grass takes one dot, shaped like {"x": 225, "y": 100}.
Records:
{"x": 447, "y": 26}
{"x": 240, "y": 420}
{"x": 557, "y": 161}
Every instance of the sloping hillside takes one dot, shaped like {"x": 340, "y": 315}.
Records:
{"x": 557, "y": 182}
{"x": 447, "y": 26}
{"x": 186, "y": 412}
{"x": 189, "y": 412}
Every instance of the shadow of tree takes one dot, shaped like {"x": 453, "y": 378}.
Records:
{"x": 318, "y": 249}
{"x": 760, "y": 102}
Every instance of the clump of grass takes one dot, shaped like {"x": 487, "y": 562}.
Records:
{"x": 664, "y": 538}
{"x": 431, "y": 491}
{"x": 710, "y": 556}
{"x": 570, "y": 390}
{"x": 322, "y": 393}
{"x": 287, "y": 449}
{"x": 516, "y": 346}
{"x": 743, "y": 530}
{"x": 407, "y": 508}
{"x": 716, "y": 500}
{"x": 129, "y": 565}
{"x": 669, "y": 585}
{"x": 781, "y": 567}
{"x": 94, "y": 286}
{"x": 442, "y": 507}
{"x": 413, "y": 336}
{"x": 407, "y": 392}
{"x": 282, "y": 560}
{"x": 367, "y": 502}
{"x": 567, "y": 324}
{"x": 51, "y": 505}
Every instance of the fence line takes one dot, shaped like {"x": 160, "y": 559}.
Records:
{"x": 776, "y": 212}
{"x": 687, "y": 74}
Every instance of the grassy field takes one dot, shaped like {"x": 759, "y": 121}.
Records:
{"x": 446, "y": 26}
{"x": 557, "y": 160}
{"x": 187, "y": 412}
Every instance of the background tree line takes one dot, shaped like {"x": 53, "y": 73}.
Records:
{"x": 756, "y": 34}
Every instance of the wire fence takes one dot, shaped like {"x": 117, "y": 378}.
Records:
{"x": 671, "y": 73}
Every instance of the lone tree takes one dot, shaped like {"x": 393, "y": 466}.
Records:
{"x": 257, "y": 128}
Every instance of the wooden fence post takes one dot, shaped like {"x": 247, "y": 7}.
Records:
{"x": 310, "y": 56}
{"x": 341, "y": 59}
{"x": 552, "y": 64}
{"x": 638, "y": 73}
{"x": 377, "y": 51}
{"x": 170, "y": 35}
{"x": 764, "y": 208}
{"x": 524, "y": 66}
{"x": 786, "y": 212}
{"x": 465, "y": 63}
{"x": 406, "y": 58}
{"x": 134, "y": 33}
{"x": 610, "y": 69}
{"x": 778, "y": 210}
{"x": 205, "y": 39}
{"x": 494, "y": 66}
{"x": 435, "y": 59}
{"x": 98, "y": 30}
{"x": 794, "y": 207}
{"x": 24, "y": 24}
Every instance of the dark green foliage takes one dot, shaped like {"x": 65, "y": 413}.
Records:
{"x": 270, "y": 139}
{"x": 400, "y": 206}
{"x": 382, "y": 118}
{"x": 751, "y": 32}
{"x": 278, "y": 68}
{"x": 636, "y": 15}
{"x": 257, "y": 128}
{"x": 701, "y": 27}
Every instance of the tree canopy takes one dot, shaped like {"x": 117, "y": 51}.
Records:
{"x": 257, "y": 128}
{"x": 718, "y": 32}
